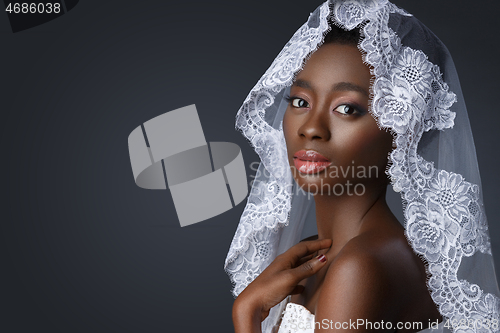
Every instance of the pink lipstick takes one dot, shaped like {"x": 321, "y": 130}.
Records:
{"x": 309, "y": 161}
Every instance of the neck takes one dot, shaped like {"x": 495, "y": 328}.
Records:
{"x": 343, "y": 217}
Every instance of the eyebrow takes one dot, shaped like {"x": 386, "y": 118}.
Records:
{"x": 340, "y": 86}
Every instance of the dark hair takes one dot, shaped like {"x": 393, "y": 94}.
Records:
{"x": 341, "y": 36}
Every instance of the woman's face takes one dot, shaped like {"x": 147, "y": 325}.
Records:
{"x": 334, "y": 144}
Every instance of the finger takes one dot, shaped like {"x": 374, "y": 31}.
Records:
{"x": 296, "y": 252}
{"x": 310, "y": 267}
{"x": 304, "y": 259}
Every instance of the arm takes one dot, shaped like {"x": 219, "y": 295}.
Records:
{"x": 357, "y": 289}
{"x": 275, "y": 283}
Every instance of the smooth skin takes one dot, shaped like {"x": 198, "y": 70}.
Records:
{"x": 371, "y": 272}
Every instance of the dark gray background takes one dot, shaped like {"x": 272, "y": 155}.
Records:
{"x": 83, "y": 249}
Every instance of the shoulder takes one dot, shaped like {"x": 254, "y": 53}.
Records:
{"x": 361, "y": 266}
{"x": 364, "y": 280}
{"x": 378, "y": 253}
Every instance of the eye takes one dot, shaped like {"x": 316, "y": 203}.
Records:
{"x": 346, "y": 109}
{"x": 297, "y": 102}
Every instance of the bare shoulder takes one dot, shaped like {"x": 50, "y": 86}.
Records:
{"x": 368, "y": 278}
{"x": 387, "y": 250}
{"x": 382, "y": 254}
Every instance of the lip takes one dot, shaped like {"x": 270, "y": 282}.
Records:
{"x": 310, "y": 161}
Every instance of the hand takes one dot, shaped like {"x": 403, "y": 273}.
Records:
{"x": 276, "y": 282}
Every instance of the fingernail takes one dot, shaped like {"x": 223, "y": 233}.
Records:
{"x": 321, "y": 258}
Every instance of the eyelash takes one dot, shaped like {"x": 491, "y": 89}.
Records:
{"x": 357, "y": 110}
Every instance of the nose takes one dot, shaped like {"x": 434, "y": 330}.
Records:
{"x": 316, "y": 125}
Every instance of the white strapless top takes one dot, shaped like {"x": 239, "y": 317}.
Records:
{"x": 297, "y": 319}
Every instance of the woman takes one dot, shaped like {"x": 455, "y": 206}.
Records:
{"x": 324, "y": 116}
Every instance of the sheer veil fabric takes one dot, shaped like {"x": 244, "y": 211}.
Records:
{"x": 416, "y": 95}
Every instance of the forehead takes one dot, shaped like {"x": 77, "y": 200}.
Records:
{"x": 333, "y": 63}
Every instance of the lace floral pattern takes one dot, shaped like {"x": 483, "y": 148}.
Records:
{"x": 351, "y": 13}
{"x": 430, "y": 230}
{"x": 396, "y": 106}
{"x": 444, "y": 216}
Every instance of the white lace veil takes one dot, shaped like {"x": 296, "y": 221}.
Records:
{"x": 416, "y": 95}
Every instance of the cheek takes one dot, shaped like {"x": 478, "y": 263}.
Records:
{"x": 285, "y": 124}
{"x": 288, "y": 128}
{"x": 365, "y": 145}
